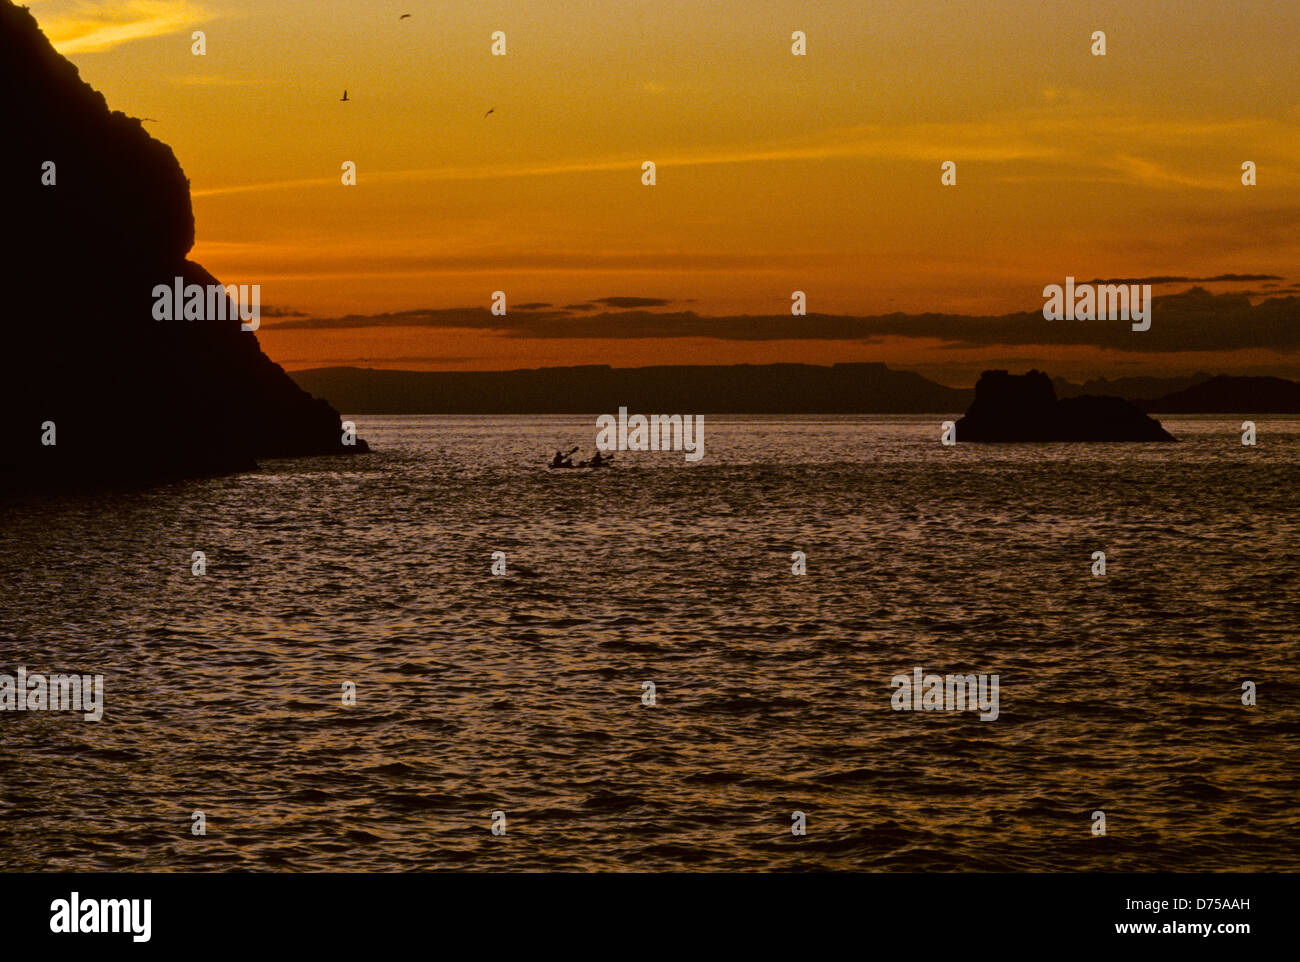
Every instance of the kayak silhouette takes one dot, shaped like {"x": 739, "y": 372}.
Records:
{"x": 563, "y": 461}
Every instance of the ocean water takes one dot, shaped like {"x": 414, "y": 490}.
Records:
{"x": 522, "y": 693}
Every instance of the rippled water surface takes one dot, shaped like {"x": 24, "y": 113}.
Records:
{"x": 522, "y": 693}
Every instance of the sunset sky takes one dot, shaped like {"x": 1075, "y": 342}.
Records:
{"x": 775, "y": 173}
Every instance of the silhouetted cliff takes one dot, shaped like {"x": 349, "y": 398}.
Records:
{"x": 1024, "y": 407}
{"x": 130, "y": 396}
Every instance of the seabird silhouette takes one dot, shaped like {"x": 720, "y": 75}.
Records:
{"x": 404, "y": 16}
{"x": 490, "y": 110}
{"x": 345, "y": 96}
{"x": 147, "y": 120}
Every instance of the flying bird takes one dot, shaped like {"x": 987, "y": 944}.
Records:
{"x": 490, "y": 110}
{"x": 345, "y": 96}
{"x": 405, "y": 16}
{"x": 147, "y": 120}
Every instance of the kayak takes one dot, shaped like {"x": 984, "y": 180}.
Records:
{"x": 580, "y": 464}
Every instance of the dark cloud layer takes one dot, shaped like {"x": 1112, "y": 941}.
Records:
{"x": 1195, "y": 320}
{"x": 631, "y": 301}
{"x": 472, "y": 317}
{"x": 1218, "y": 278}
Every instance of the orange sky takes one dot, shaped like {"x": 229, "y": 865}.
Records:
{"x": 775, "y": 172}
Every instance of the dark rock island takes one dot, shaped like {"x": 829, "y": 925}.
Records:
{"x": 97, "y": 214}
{"x": 1024, "y": 407}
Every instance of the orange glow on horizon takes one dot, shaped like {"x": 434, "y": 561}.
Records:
{"x": 774, "y": 172}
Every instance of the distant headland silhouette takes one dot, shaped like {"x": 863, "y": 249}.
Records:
{"x": 852, "y": 388}
{"x": 98, "y": 212}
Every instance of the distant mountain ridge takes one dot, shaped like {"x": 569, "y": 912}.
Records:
{"x": 1132, "y": 388}
{"x": 704, "y": 389}
{"x": 747, "y": 389}
{"x": 1231, "y": 395}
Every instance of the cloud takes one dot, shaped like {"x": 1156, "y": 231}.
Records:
{"x": 450, "y": 317}
{"x": 210, "y": 80}
{"x": 1195, "y": 320}
{"x": 319, "y": 363}
{"x": 1037, "y": 142}
{"x": 1186, "y": 280}
{"x": 91, "y": 28}
{"x": 631, "y": 301}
